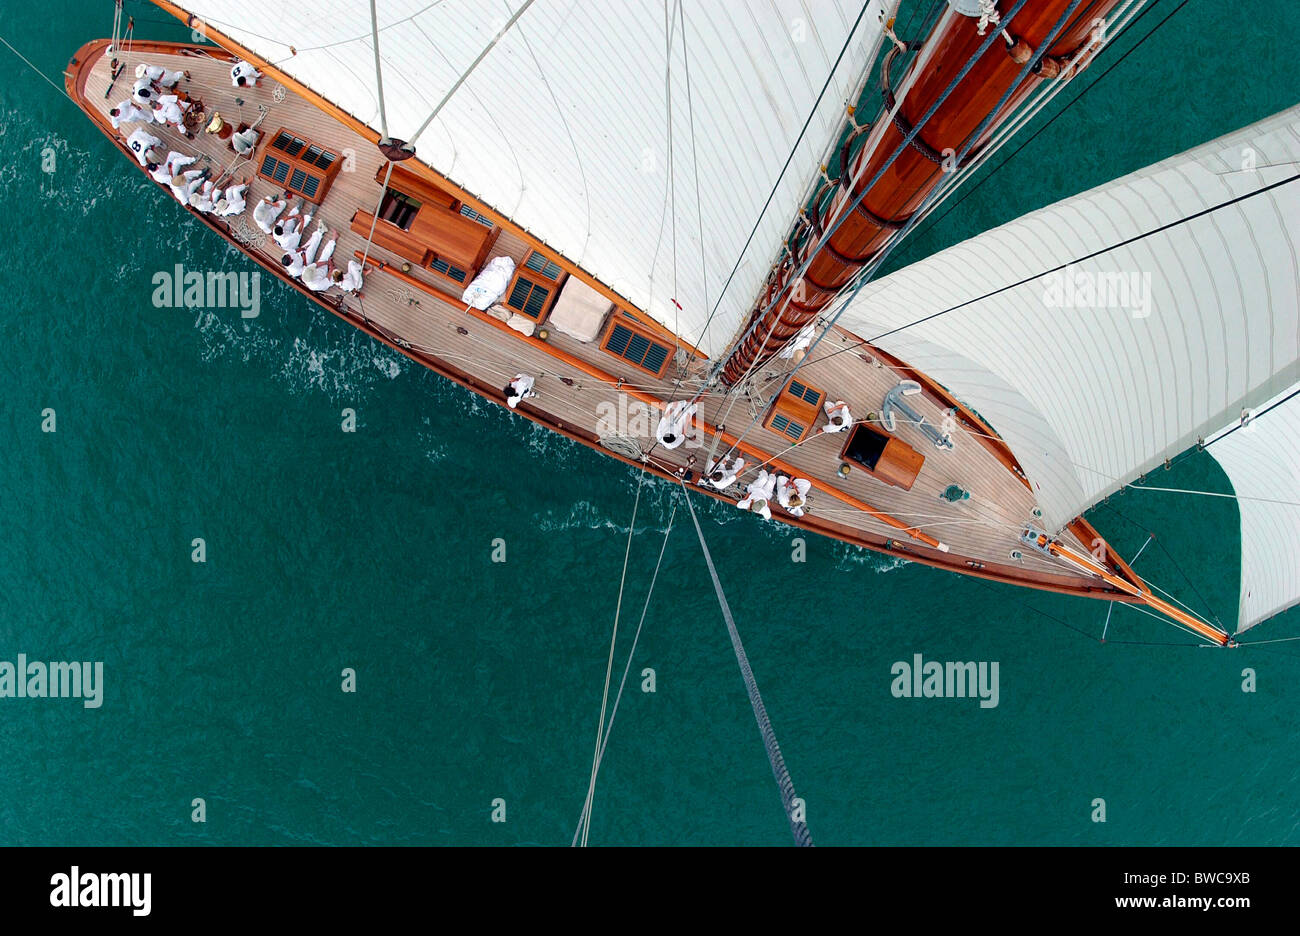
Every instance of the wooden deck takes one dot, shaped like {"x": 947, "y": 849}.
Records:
{"x": 579, "y": 385}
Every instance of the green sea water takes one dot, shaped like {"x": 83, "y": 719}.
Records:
{"x": 479, "y": 680}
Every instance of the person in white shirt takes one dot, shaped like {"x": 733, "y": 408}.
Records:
{"x": 169, "y": 109}
{"x": 231, "y": 201}
{"x": 140, "y": 142}
{"x": 521, "y": 388}
{"x": 267, "y": 210}
{"x": 316, "y": 276}
{"x": 671, "y": 431}
{"x": 143, "y": 92}
{"x": 187, "y": 183}
{"x": 205, "y": 199}
{"x": 792, "y": 494}
{"x": 722, "y": 474}
{"x": 127, "y": 112}
{"x": 757, "y": 494}
{"x": 295, "y": 261}
{"x": 838, "y": 416}
{"x": 159, "y": 75}
{"x": 350, "y": 281}
{"x": 164, "y": 171}
{"x": 244, "y": 75}
{"x": 288, "y": 232}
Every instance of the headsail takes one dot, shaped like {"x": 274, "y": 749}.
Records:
{"x": 1262, "y": 459}
{"x": 1108, "y": 332}
{"x": 564, "y": 126}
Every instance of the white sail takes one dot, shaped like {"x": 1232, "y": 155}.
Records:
{"x": 1190, "y": 319}
{"x": 1262, "y": 459}
{"x": 564, "y": 127}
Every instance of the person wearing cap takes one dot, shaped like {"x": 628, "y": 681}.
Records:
{"x": 159, "y": 75}
{"x": 792, "y": 494}
{"x": 140, "y": 142}
{"x": 244, "y": 75}
{"x": 267, "y": 210}
{"x": 316, "y": 276}
{"x": 350, "y": 281}
{"x": 837, "y": 416}
{"x": 521, "y": 388}
{"x": 127, "y": 112}
{"x": 721, "y": 474}
{"x": 757, "y": 495}
{"x": 187, "y": 183}
{"x": 163, "y": 170}
{"x": 231, "y": 201}
{"x": 205, "y": 199}
{"x": 671, "y": 431}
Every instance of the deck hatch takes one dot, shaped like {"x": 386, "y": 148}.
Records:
{"x": 302, "y": 167}
{"x": 637, "y": 348}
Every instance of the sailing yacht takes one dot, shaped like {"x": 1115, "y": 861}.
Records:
{"x": 646, "y": 204}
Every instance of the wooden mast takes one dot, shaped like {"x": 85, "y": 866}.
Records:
{"x": 785, "y": 307}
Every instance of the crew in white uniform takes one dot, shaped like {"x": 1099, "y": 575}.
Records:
{"x": 169, "y": 109}
{"x": 792, "y": 494}
{"x": 838, "y": 416}
{"x": 288, "y": 232}
{"x": 127, "y": 112}
{"x": 159, "y": 75}
{"x": 267, "y": 210}
{"x": 172, "y": 166}
{"x": 671, "y": 431}
{"x": 721, "y": 474}
{"x": 350, "y": 281}
{"x": 244, "y": 75}
{"x": 231, "y": 201}
{"x": 140, "y": 142}
{"x": 295, "y": 261}
{"x": 521, "y": 388}
{"x": 206, "y": 198}
{"x": 187, "y": 183}
{"x": 757, "y": 495}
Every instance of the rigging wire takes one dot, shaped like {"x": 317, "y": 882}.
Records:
{"x": 798, "y": 827}
{"x": 794, "y": 151}
{"x": 1111, "y": 67}
{"x": 902, "y": 146}
{"x": 609, "y": 666}
{"x": 973, "y": 139}
{"x": 584, "y": 819}
{"x": 473, "y": 65}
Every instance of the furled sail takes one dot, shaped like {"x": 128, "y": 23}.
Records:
{"x": 1110, "y": 331}
{"x": 1262, "y": 460}
{"x": 564, "y": 126}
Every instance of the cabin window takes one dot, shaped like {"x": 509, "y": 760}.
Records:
{"x": 795, "y": 410}
{"x": 398, "y": 208}
{"x": 528, "y": 297}
{"x": 449, "y": 270}
{"x": 637, "y": 348}
{"x": 298, "y": 165}
{"x": 473, "y": 215}
{"x": 539, "y": 264}
{"x": 535, "y": 286}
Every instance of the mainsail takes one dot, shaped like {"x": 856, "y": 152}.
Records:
{"x": 1107, "y": 333}
{"x": 1262, "y": 460}
{"x": 564, "y": 127}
